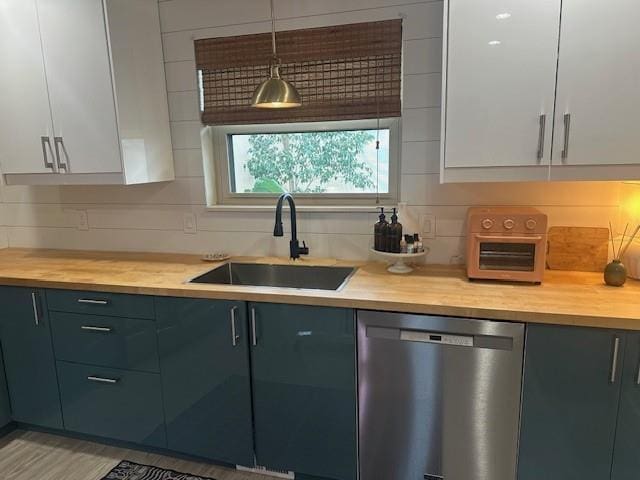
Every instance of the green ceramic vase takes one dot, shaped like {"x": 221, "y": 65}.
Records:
{"x": 615, "y": 274}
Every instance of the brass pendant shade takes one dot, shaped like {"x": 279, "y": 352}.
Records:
{"x": 275, "y": 92}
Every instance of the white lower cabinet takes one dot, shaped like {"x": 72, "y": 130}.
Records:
{"x": 84, "y": 98}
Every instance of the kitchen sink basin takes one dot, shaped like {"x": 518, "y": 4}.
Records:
{"x": 287, "y": 276}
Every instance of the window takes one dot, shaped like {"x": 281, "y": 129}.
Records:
{"x": 349, "y": 77}
{"x": 321, "y": 163}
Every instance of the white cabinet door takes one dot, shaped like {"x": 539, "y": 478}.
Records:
{"x": 25, "y": 117}
{"x": 76, "y": 57}
{"x": 598, "y": 84}
{"x": 500, "y": 79}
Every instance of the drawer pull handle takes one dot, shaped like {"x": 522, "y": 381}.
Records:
{"x": 111, "y": 381}
{"x": 92, "y": 302}
{"x": 614, "y": 360}
{"x": 234, "y": 336}
{"x": 91, "y": 328}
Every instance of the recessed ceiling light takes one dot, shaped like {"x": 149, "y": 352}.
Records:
{"x": 503, "y": 16}
{"x": 493, "y": 43}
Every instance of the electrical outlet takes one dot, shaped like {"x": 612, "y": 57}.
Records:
{"x": 83, "y": 220}
{"x": 189, "y": 223}
{"x": 428, "y": 226}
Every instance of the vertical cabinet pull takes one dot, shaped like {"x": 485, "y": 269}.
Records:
{"x": 614, "y": 360}
{"x": 34, "y": 302}
{"x": 638, "y": 375}
{"x": 541, "y": 132}
{"x": 567, "y": 127}
{"x": 58, "y": 142}
{"x": 254, "y": 337}
{"x": 234, "y": 336}
{"x": 46, "y": 143}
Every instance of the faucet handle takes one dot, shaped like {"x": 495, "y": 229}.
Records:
{"x": 303, "y": 250}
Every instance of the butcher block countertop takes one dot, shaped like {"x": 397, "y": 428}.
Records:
{"x": 571, "y": 298}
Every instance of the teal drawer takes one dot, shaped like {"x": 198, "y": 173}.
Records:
{"x": 99, "y": 303}
{"x": 105, "y": 341}
{"x": 111, "y": 403}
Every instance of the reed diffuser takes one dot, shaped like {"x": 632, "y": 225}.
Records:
{"x": 615, "y": 273}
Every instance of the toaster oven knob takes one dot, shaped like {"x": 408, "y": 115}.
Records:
{"x": 487, "y": 223}
{"x": 531, "y": 224}
{"x": 509, "y": 224}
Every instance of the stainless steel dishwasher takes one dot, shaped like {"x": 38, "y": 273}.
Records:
{"x": 439, "y": 397}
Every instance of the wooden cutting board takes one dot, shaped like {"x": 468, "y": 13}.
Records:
{"x": 583, "y": 249}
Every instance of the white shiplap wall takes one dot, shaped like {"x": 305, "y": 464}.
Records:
{"x": 150, "y": 217}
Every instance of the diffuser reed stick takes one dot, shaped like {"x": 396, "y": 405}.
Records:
{"x": 633, "y": 236}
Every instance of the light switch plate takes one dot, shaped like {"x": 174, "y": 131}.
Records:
{"x": 428, "y": 226}
{"x": 189, "y": 223}
{"x": 83, "y": 220}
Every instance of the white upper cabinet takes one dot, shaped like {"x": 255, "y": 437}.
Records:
{"x": 26, "y": 130}
{"x": 522, "y": 74}
{"x": 76, "y": 58}
{"x": 93, "y": 69}
{"x": 500, "y": 67}
{"x": 598, "y": 94}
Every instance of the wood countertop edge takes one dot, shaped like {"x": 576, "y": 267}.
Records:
{"x": 333, "y": 299}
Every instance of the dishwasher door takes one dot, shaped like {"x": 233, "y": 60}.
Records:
{"x": 439, "y": 397}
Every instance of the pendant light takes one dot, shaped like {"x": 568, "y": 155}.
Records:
{"x": 275, "y": 92}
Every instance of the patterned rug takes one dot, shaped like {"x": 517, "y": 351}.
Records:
{"x": 134, "y": 471}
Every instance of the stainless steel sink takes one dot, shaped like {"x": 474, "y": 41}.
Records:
{"x": 287, "y": 276}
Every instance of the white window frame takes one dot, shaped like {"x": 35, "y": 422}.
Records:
{"x": 216, "y": 164}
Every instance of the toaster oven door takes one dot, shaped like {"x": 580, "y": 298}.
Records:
{"x": 507, "y": 257}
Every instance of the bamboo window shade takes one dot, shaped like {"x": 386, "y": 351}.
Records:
{"x": 343, "y": 72}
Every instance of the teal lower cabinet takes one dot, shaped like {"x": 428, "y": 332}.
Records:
{"x": 304, "y": 389}
{"x": 571, "y": 395}
{"x": 204, "y": 360}
{"x": 5, "y": 406}
{"x": 626, "y": 455}
{"x": 28, "y": 357}
{"x": 117, "y": 404}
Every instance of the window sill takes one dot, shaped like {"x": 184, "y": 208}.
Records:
{"x": 300, "y": 208}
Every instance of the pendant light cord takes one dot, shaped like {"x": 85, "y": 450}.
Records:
{"x": 273, "y": 31}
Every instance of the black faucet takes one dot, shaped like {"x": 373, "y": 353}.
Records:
{"x": 294, "y": 247}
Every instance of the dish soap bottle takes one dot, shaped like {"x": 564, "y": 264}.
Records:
{"x": 380, "y": 231}
{"x": 395, "y": 234}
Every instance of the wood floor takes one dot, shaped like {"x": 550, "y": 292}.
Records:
{"x": 39, "y": 456}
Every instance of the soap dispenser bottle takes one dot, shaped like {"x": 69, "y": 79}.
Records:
{"x": 395, "y": 234}
{"x": 380, "y": 232}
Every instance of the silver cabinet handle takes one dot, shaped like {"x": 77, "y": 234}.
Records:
{"x": 638, "y": 376}
{"x": 58, "y": 142}
{"x": 234, "y": 336}
{"x": 92, "y": 302}
{"x": 567, "y": 127}
{"x": 92, "y": 378}
{"x": 254, "y": 337}
{"x": 46, "y": 142}
{"x": 34, "y": 303}
{"x": 91, "y": 328}
{"x": 541, "y": 132}
{"x": 614, "y": 360}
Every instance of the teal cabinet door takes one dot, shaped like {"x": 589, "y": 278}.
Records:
{"x": 570, "y": 402}
{"x": 28, "y": 356}
{"x": 626, "y": 457}
{"x": 204, "y": 363}
{"x": 5, "y": 406}
{"x": 304, "y": 389}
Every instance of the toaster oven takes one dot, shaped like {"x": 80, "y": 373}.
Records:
{"x": 506, "y": 243}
